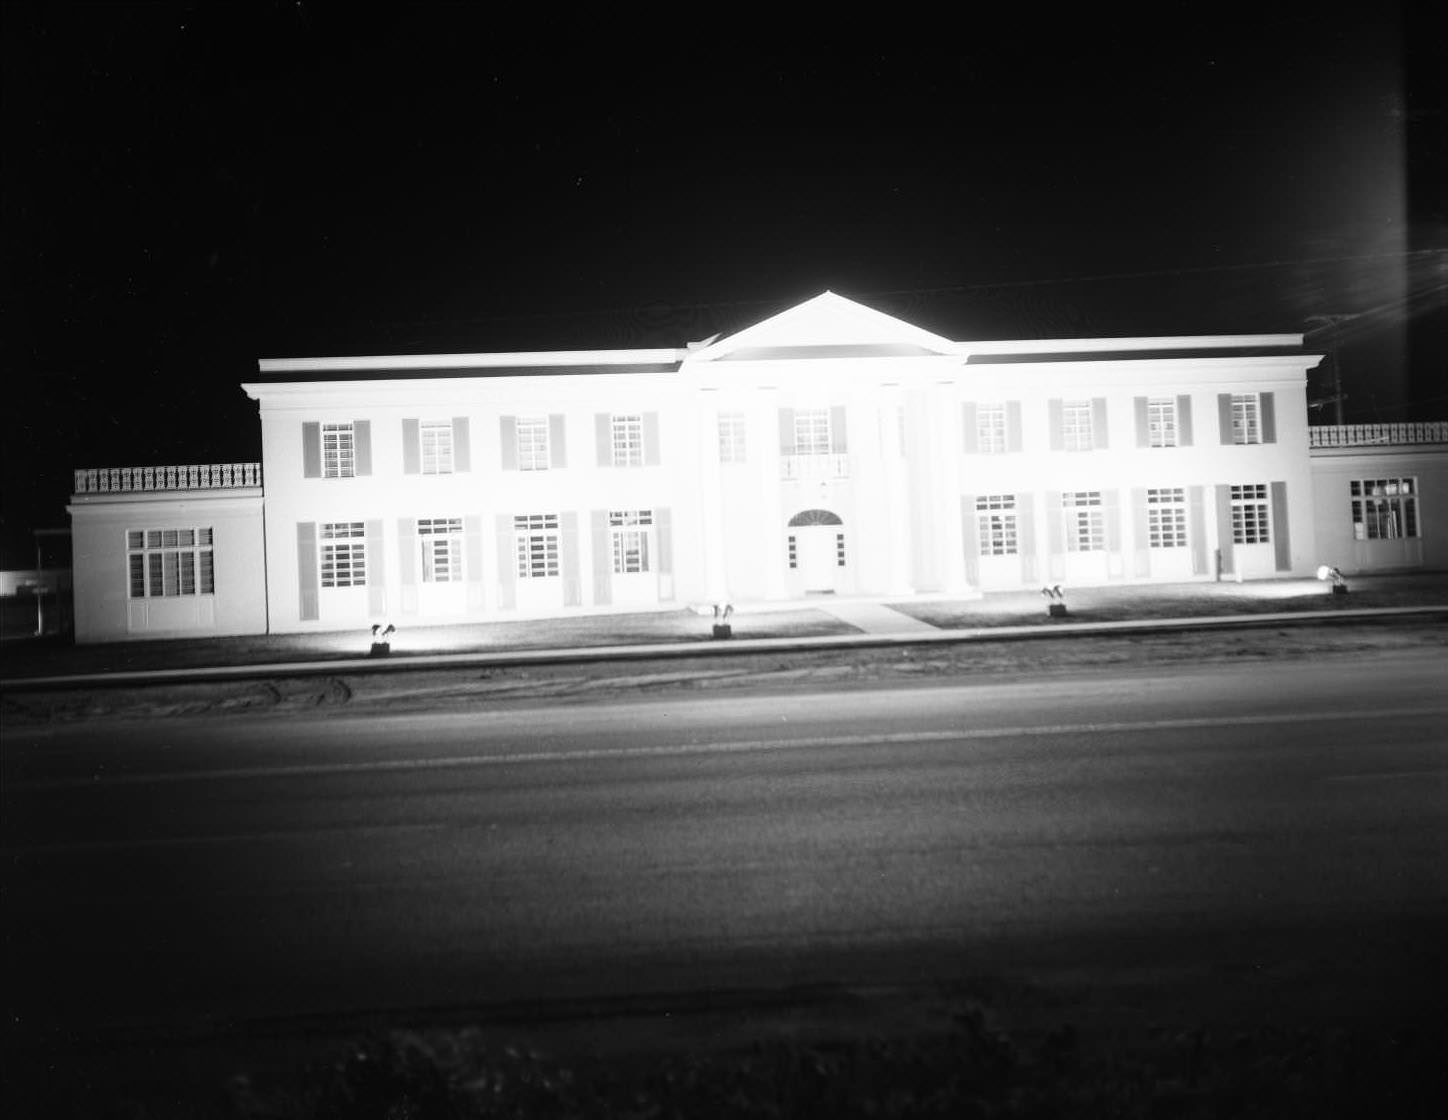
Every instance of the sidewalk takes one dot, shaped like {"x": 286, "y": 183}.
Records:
{"x": 810, "y": 624}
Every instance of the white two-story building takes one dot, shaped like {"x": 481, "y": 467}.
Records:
{"x": 830, "y": 449}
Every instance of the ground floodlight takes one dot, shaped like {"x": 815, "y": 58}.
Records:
{"x": 1328, "y": 572}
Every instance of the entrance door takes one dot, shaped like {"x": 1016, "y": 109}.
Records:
{"x": 816, "y": 549}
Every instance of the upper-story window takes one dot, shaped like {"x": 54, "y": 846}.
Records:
{"x": 532, "y": 443}
{"x": 435, "y": 438}
{"x": 1076, "y": 425}
{"x": 731, "y": 437}
{"x": 1246, "y": 418}
{"x": 990, "y": 428}
{"x": 1161, "y": 422}
{"x": 339, "y": 451}
{"x": 627, "y": 439}
{"x": 812, "y": 431}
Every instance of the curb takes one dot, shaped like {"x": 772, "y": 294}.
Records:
{"x": 707, "y": 648}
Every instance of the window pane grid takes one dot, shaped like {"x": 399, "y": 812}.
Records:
{"x": 628, "y": 440}
{"x": 1246, "y": 422}
{"x": 537, "y": 545}
{"x": 1161, "y": 422}
{"x": 812, "y": 431}
{"x": 996, "y": 522}
{"x": 338, "y": 451}
{"x": 437, "y": 446}
{"x": 1384, "y": 508}
{"x": 1166, "y": 518}
{"x": 1250, "y": 524}
{"x": 990, "y": 422}
{"x": 731, "y": 437}
{"x": 1084, "y": 521}
{"x": 166, "y": 563}
{"x": 532, "y": 440}
{"x": 1076, "y": 425}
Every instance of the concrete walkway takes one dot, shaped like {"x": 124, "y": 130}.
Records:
{"x": 873, "y": 618}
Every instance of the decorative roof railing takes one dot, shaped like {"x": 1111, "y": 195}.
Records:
{"x": 202, "y": 476}
{"x": 1377, "y": 435}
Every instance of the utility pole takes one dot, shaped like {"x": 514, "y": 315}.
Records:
{"x": 1330, "y": 323}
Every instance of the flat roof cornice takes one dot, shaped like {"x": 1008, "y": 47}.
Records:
{"x": 534, "y": 359}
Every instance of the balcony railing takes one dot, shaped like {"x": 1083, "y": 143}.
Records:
{"x": 808, "y": 468}
{"x": 1377, "y": 435}
{"x": 202, "y": 476}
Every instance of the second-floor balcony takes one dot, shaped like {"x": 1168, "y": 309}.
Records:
{"x": 196, "y": 476}
{"x": 809, "y": 468}
{"x": 1377, "y": 435}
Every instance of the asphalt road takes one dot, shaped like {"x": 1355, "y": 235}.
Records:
{"x": 1264, "y": 839}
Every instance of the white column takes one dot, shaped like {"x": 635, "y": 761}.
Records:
{"x": 764, "y": 430}
{"x": 896, "y": 513}
{"x": 711, "y": 499}
{"x": 945, "y": 470}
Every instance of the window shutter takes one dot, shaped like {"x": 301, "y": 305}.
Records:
{"x": 969, "y": 442}
{"x": 1197, "y": 529}
{"x": 651, "y": 439}
{"x": 664, "y": 538}
{"x": 407, "y": 562}
{"x": 1013, "y": 426}
{"x": 1143, "y": 423}
{"x": 602, "y": 559}
{"x": 1055, "y": 537}
{"x": 838, "y": 436}
{"x": 376, "y": 569}
{"x": 362, "y": 443}
{"x": 1224, "y": 417}
{"x": 1140, "y": 528}
{"x": 507, "y": 562}
{"x": 603, "y": 438}
{"x": 557, "y": 446}
{"x": 786, "y": 431}
{"x": 1111, "y": 515}
{"x": 1053, "y": 418}
{"x": 1267, "y": 408}
{"x": 307, "y": 582}
{"x": 970, "y": 535}
{"x": 508, "y": 440}
{"x": 473, "y": 559}
{"x": 568, "y": 542}
{"x": 1281, "y": 538}
{"x": 1184, "y": 420}
{"x": 1100, "y": 439}
{"x": 311, "y": 450}
{"x": 462, "y": 444}
{"x": 1026, "y": 535}
{"x": 1224, "y": 527}
{"x": 411, "y": 448}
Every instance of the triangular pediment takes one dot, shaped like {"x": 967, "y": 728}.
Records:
{"x": 827, "y": 326}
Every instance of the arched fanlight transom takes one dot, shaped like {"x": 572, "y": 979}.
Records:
{"x": 814, "y": 517}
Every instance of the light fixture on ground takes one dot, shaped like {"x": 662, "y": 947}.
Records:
{"x": 381, "y": 647}
{"x": 722, "y": 611}
{"x": 1056, "y": 601}
{"x": 1327, "y": 572}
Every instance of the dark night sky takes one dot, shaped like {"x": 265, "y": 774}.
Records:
{"x": 186, "y": 189}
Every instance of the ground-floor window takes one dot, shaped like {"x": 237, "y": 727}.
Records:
{"x": 1250, "y": 516}
{"x": 442, "y": 549}
{"x": 169, "y": 562}
{"x": 1166, "y": 518}
{"x": 1084, "y": 521}
{"x": 344, "y": 554}
{"x": 996, "y": 519}
{"x": 537, "y": 545}
{"x": 1384, "y": 509}
{"x": 839, "y": 550}
{"x": 629, "y": 529}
